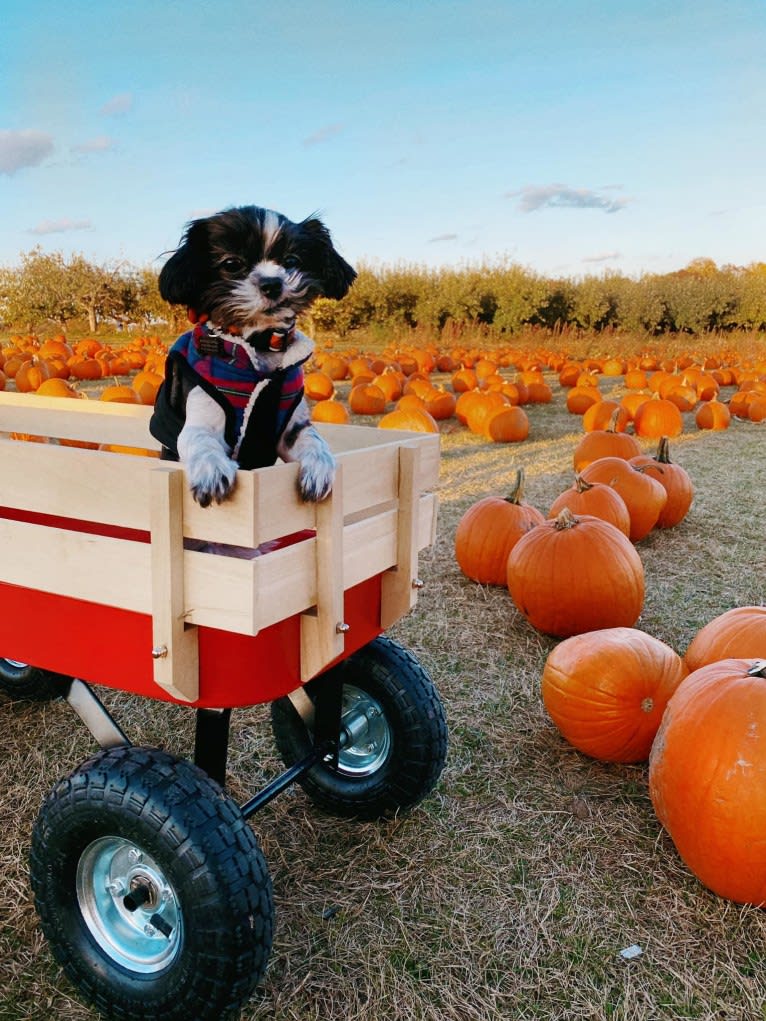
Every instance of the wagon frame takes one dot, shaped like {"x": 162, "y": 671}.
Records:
{"x": 192, "y": 598}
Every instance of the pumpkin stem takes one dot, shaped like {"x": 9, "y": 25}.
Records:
{"x": 663, "y": 451}
{"x": 581, "y": 484}
{"x": 517, "y": 492}
{"x": 565, "y": 519}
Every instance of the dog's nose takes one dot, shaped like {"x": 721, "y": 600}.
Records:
{"x": 271, "y": 287}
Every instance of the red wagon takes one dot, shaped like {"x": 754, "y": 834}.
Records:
{"x": 151, "y": 888}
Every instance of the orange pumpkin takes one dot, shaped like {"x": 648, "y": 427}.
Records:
{"x": 658, "y": 417}
{"x": 606, "y": 691}
{"x": 738, "y": 633}
{"x": 713, "y": 415}
{"x": 85, "y": 368}
{"x": 318, "y": 386}
{"x": 367, "y": 399}
{"x": 575, "y": 574}
{"x": 330, "y": 411}
{"x": 596, "y": 499}
{"x": 507, "y": 425}
{"x": 609, "y": 442}
{"x": 410, "y": 420}
{"x": 580, "y": 398}
{"x": 489, "y": 530}
{"x": 440, "y": 404}
{"x": 55, "y": 387}
{"x": 31, "y": 374}
{"x": 644, "y": 496}
{"x": 673, "y": 478}
{"x": 120, "y": 395}
{"x": 707, "y": 775}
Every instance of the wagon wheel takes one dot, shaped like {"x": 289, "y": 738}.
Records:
{"x": 20, "y": 680}
{"x": 151, "y": 888}
{"x": 393, "y": 733}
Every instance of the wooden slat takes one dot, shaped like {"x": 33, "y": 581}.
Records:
{"x": 399, "y": 592}
{"x": 175, "y": 643}
{"x": 92, "y": 421}
{"x": 114, "y": 489}
{"x": 321, "y": 627}
{"x": 224, "y": 592}
{"x": 90, "y": 567}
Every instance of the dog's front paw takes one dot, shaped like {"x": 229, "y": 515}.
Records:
{"x": 316, "y": 475}
{"x": 211, "y": 478}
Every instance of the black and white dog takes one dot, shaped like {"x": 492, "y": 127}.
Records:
{"x": 233, "y": 390}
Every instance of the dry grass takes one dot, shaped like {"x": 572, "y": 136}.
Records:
{"x": 510, "y": 892}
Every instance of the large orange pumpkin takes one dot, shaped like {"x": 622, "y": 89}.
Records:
{"x": 707, "y": 775}
{"x": 606, "y": 691}
{"x": 489, "y": 530}
{"x": 738, "y": 633}
{"x": 575, "y": 574}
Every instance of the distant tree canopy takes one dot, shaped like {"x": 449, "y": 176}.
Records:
{"x": 47, "y": 289}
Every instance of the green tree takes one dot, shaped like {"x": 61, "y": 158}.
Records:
{"x": 38, "y": 291}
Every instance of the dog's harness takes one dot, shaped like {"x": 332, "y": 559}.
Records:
{"x": 257, "y": 404}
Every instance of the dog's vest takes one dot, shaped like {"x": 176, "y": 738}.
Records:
{"x": 257, "y": 405}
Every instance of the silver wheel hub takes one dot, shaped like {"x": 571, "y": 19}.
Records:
{"x": 365, "y": 734}
{"x": 128, "y": 905}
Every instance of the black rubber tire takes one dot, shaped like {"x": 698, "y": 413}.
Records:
{"x": 207, "y": 854}
{"x": 22, "y": 681}
{"x": 418, "y": 734}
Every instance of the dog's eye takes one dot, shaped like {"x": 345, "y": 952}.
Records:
{"x": 232, "y": 264}
{"x": 291, "y": 262}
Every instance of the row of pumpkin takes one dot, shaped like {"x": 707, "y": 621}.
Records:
{"x": 479, "y": 396}
{"x": 617, "y": 693}
{"x": 478, "y": 392}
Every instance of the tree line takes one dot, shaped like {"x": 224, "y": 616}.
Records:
{"x": 48, "y": 289}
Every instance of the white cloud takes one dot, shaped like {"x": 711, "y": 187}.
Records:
{"x": 62, "y": 226}
{"x": 20, "y": 149}
{"x": 604, "y": 257}
{"x": 117, "y": 104}
{"x": 443, "y": 237}
{"x": 323, "y": 134}
{"x": 100, "y": 144}
{"x": 561, "y": 196}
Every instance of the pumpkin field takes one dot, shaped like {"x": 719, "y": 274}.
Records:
{"x": 537, "y": 881}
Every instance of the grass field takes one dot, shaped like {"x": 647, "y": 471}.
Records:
{"x": 509, "y": 893}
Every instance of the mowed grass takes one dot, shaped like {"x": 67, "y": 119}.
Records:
{"x": 509, "y": 893}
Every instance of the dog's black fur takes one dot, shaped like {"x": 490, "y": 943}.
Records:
{"x": 248, "y": 273}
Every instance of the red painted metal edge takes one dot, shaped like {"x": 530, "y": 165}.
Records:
{"x": 105, "y": 645}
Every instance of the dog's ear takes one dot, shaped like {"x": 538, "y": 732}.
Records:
{"x": 185, "y": 275}
{"x": 334, "y": 273}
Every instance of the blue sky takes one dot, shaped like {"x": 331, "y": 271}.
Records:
{"x": 569, "y": 137}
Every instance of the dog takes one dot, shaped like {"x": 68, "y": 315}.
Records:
{"x": 232, "y": 396}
